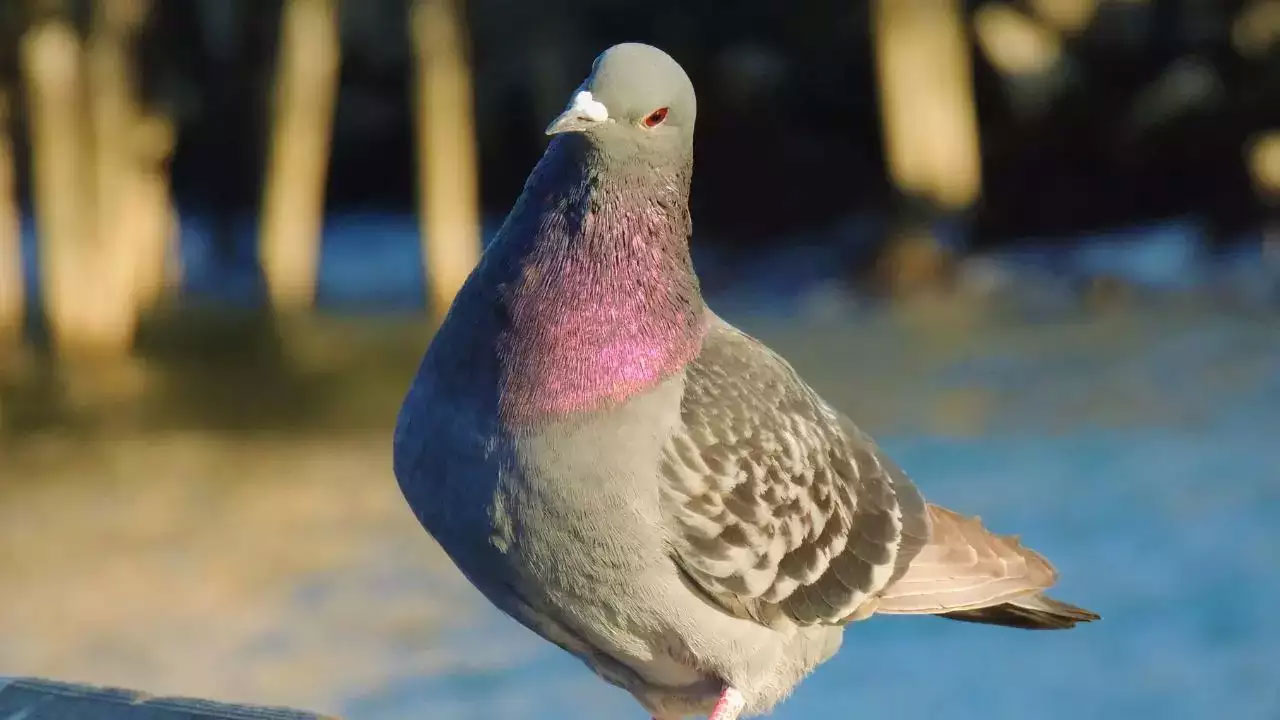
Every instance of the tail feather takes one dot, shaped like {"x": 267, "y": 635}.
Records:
{"x": 965, "y": 572}
{"x": 1033, "y": 612}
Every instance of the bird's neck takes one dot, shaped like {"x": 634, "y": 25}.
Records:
{"x": 602, "y": 301}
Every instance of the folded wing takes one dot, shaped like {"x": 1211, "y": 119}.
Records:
{"x": 779, "y": 509}
{"x": 776, "y": 505}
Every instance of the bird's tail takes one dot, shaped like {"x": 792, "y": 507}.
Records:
{"x": 967, "y": 573}
{"x": 1033, "y": 612}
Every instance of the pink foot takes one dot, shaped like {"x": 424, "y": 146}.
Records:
{"x": 729, "y": 706}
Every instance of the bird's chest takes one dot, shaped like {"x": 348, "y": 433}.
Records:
{"x": 577, "y": 501}
{"x": 579, "y": 533}
{"x": 561, "y": 528}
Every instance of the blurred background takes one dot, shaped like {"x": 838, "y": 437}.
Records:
{"x": 1031, "y": 245}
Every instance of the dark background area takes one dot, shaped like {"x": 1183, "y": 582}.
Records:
{"x": 1147, "y": 116}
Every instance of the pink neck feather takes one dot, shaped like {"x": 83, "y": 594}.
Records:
{"x": 605, "y": 304}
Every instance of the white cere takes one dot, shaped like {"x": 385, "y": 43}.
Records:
{"x": 588, "y": 107}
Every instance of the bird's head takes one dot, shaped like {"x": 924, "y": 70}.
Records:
{"x": 637, "y": 100}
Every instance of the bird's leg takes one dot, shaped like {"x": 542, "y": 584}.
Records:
{"x": 729, "y": 705}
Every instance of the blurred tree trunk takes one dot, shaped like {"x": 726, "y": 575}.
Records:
{"x": 306, "y": 87}
{"x": 929, "y": 123}
{"x": 80, "y": 296}
{"x": 11, "y": 283}
{"x": 1262, "y": 156}
{"x": 158, "y": 267}
{"x": 135, "y": 217}
{"x": 448, "y": 208}
{"x": 103, "y": 214}
{"x": 929, "y": 120}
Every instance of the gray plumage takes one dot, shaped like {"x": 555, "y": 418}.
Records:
{"x": 629, "y": 476}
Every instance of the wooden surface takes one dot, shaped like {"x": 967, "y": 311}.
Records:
{"x": 37, "y": 699}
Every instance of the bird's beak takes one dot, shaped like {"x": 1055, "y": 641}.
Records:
{"x": 583, "y": 112}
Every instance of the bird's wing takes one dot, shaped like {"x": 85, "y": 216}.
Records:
{"x": 776, "y": 505}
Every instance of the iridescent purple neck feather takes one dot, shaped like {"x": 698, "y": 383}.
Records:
{"x": 601, "y": 301}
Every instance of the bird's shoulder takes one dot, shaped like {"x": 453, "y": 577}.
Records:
{"x": 776, "y": 504}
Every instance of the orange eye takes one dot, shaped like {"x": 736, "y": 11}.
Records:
{"x": 656, "y": 117}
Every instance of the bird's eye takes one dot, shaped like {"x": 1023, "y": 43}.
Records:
{"x": 656, "y": 117}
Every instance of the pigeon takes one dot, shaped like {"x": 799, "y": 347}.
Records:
{"x": 637, "y": 481}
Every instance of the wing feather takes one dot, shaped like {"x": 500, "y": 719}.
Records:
{"x": 776, "y": 505}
